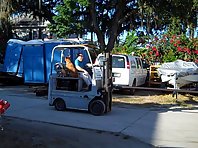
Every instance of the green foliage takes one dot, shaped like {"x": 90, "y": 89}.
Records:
{"x": 158, "y": 15}
{"x": 69, "y": 19}
{"x": 130, "y": 45}
{"x": 131, "y": 42}
{"x": 166, "y": 48}
{"x": 168, "y": 56}
{"x": 108, "y": 19}
{"x": 175, "y": 26}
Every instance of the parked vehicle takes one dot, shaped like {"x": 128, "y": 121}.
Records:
{"x": 127, "y": 71}
{"x": 178, "y": 73}
{"x": 67, "y": 92}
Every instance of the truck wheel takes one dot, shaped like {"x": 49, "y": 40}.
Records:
{"x": 132, "y": 90}
{"x": 60, "y": 105}
{"x": 97, "y": 107}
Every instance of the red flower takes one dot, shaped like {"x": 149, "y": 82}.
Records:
{"x": 171, "y": 41}
{"x": 174, "y": 36}
{"x": 188, "y": 51}
{"x": 154, "y": 48}
{"x": 178, "y": 42}
{"x": 151, "y": 52}
{"x": 196, "y": 51}
{"x": 175, "y": 45}
{"x": 157, "y": 53}
{"x": 179, "y": 49}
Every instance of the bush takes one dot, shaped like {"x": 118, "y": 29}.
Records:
{"x": 169, "y": 48}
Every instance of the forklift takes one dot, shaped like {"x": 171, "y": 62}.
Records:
{"x": 67, "y": 92}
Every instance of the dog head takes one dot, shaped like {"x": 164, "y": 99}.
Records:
{"x": 67, "y": 59}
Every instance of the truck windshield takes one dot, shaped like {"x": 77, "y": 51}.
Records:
{"x": 117, "y": 61}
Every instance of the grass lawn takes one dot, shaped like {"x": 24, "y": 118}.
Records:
{"x": 158, "y": 99}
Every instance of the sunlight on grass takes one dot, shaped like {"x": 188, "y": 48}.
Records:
{"x": 166, "y": 99}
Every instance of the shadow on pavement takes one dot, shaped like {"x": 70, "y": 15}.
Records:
{"x": 152, "y": 123}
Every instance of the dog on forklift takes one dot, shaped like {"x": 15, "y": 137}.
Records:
{"x": 71, "y": 68}
{"x": 60, "y": 94}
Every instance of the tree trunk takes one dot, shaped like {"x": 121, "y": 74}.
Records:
{"x": 108, "y": 80}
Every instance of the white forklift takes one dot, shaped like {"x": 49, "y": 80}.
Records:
{"x": 66, "y": 92}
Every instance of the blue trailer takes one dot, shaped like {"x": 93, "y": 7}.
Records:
{"x": 13, "y": 61}
{"x": 30, "y": 60}
{"x": 34, "y": 62}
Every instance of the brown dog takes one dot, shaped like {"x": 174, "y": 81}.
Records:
{"x": 71, "y": 68}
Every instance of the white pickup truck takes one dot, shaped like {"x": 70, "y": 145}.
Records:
{"x": 127, "y": 71}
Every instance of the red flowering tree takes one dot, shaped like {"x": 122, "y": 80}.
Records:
{"x": 169, "y": 48}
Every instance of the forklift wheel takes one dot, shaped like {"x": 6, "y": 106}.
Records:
{"x": 60, "y": 105}
{"x": 131, "y": 91}
{"x": 97, "y": 107}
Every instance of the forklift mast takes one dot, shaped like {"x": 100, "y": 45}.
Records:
{"x": 107, "y": 80}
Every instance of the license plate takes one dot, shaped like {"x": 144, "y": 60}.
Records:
{"x": 116, "y": 74}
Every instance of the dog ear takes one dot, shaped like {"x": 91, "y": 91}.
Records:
{"x": 67, "y": 58}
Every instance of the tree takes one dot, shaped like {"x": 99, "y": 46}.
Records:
{"x": 5, "y": 8}
{"x": 5, "y": 27}
{"x": 69, "y": 19}
{"x": 107, "y": 19}
{"x": 37, "y": 8}
{"x": 5, "y": 11}
{"x": 167, "y": 14}
{"x": 130, "y": 45}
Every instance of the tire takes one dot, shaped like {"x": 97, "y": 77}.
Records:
{"x": 132, "y": 90}
{"x": 59, "y": 105}
{"x": 97, "y": 107}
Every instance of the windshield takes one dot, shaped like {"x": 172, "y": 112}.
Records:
{"x": 117, "y": 61}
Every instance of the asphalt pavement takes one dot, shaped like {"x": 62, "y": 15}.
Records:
{"x": 161, "y": 127}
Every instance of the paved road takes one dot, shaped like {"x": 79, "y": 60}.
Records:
{"x": 174, "y": 127}
{"x": 19, "y": 133}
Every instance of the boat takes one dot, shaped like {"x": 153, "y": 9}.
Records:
{"x": 178, "y": 73}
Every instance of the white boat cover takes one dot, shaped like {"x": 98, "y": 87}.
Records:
{"x": 178, "y": 73}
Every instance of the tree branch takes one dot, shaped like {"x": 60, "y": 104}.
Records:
{"x": 95, "y": 26}
{"x": 115, "y": 25}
